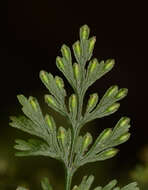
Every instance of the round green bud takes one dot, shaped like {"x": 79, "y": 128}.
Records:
{"x": 124, "y": 137}
{"x": 60, "y": 63}
{"x": 105, "y": 134}
{"x": 91, "y": 44}
{"x": 33, "y": 103}
{"x": 76, "y": 71}
{"x": 113, "y": 107}
{"x": 124, "y": 121}
{"x": 109, "y": 64}
{"x": 66, "y": 52}
{"x": 49, "y": 121}
{"x": 59, "y": 81}
{"x": 62, "y": 134}
{"x": 92, "y": 101}
{"x": 73, "y": 105}
{"x": 111, "y": 152}
{"x": 84, "y": 32}
{"x": 87, "y": 141}
{"x": 112, "y": 90}
{"x": 77, "y": 48}
{"x": 44, "y": 76}
{"x": 92, "y": 66}
{"x": 73, "y": 101}
{"x": 122, "y": 93}
{"x": 50, "y": 100}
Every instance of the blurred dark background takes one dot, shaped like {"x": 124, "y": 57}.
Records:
{"x": 30, "y": 41}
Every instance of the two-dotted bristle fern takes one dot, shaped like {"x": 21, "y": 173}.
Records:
{"x": 67, "y": 145}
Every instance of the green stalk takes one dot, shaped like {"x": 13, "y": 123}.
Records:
{"x": 69, "y": 179}
{"x": 76, "y": 131}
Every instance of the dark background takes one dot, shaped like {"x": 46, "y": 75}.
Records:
{"x": 31, "y": 39}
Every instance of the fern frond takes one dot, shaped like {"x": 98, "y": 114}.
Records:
{"x": 67, "y": 145}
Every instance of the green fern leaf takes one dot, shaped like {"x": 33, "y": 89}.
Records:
{"x": 68, "y": 145}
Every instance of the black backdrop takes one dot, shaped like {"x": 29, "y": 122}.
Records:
{"x": 32, "y": 37}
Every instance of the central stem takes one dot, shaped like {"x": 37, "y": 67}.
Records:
{"x": 70, "y": 169}
{"x": 69, "y": 179}
{"x": 76, "y": 130}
